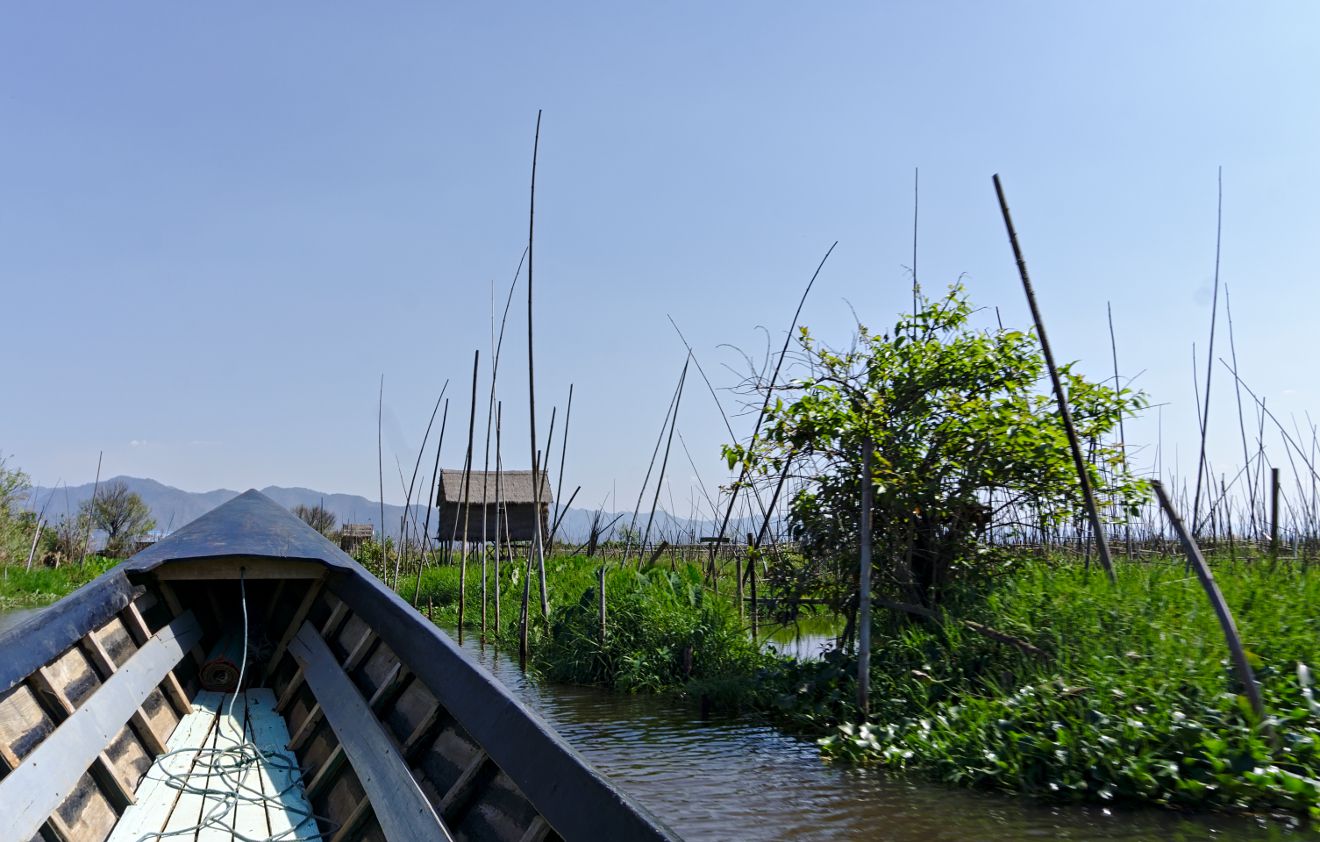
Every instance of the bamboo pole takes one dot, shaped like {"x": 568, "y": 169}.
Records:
{"x": 1274, "y": 513}
{"x": 537, "y": 548}
{"x": 431, "y": 503}
{"x": 380, "y": 470}
{"x": 1102, "y": 543}
{"x": 864, "y": 589}
{"x": 641, "y": 493}
{"x": 1209, "y": 361}
{"x": 1122, "y": 432}
{"x": 467, "y": 501}
{"x": 765, "y": 405}
{"x": 1226, "y": 624}
{"x": 664, "y": 463}
{"x": 499, "y": 489}
{"x": 563, "y": 455}
{"x": 541, "y": 480}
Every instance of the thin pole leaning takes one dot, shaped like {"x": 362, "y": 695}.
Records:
{"x": 380, "y": 471}
{"x": 1209, "y": 362}
{"x": 660, "y": 481}
{"x": 760, "y": 418}
{"x": 1240, "y": 663}
{"x": 563, "y": 454}
{"x": 467, "y": 503}
{"x": 1102, "y": 543}
{"x": 432, "y": 503}
{"x": 1122, "y": 432}
{"x": 538, "y": 548}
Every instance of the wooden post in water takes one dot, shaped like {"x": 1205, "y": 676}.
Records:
{"x": 1197, "y": 562}
{"x": 864, "y": 591}
{"x": 737, "y": 574}
{"x": 1274, "y": 513}
{"x": 1101, "y": 542}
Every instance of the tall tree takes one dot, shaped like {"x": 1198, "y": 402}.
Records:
{"x": 121, "y": 514}
{"x": 316, "y": 517}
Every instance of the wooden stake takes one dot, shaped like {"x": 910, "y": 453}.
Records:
{"x": 1226, "y": 624}
{"x": 467, "y": 502}
{"x": 1102, "y": 543}
{"x": 1274, "y": 513}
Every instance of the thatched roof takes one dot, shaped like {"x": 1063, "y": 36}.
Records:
{"x": 515, "y": 487}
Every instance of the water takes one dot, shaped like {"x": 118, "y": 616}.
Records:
{"x": 736, "y": 779}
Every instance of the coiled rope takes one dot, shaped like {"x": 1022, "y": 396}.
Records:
{"x": 224, "y": 769}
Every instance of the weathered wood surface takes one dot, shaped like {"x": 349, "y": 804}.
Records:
{"x": 41, "y": 639}
{"x": 373, "y": 756}
{"x": 576, "y": 801}
{"x": 156, "y": 799}
{"x": 279, "y": 777}
{"x": 52, "y": 771}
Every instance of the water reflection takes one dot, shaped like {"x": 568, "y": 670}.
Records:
{"x": 736, "y": 779}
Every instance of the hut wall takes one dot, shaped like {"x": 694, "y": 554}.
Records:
{"x": 522, "y": 522}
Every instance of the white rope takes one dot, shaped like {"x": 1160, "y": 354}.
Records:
{"x": 224, "y": 769}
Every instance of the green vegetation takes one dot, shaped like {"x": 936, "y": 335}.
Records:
{"x": 960, "y": 431}
{"x": 20, "y": 588}
{"x": 1132, "y": 701}
{"x": 664, "y": 628}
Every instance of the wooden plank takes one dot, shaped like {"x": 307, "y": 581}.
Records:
{"x": 250, "y": 819}
{"x": 222, "y": 806}
{"x": 329, "y": 767}
{"x": 375, "y": 759}
{"x": 280, "y": 777}
{"x": 187, "y": 812}
{"x": 354, "y": 822}
{"x": 538, "y": 830}
{"x": 46, "y": 776}
{"x": 253, "y": 567}
{"x": 295, "y": 681}
{"x": 360, "y": 650}
{"x": 139, "y": 626}
{"x": 308, "y": 600}
{"x": 156, "y": 798}
{"x": 55, "y": 828}
{"x": 38, "y": 641}
{"x": 460, "y": 794}
{"x": 106, "y": 665}
{"x": 539, "y": 762}
{"x": 307, "y": 727}
{"x": 116, "y": 790}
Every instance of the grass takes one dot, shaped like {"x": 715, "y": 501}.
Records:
{"x": 20, "y": 588}
{"x": 664, "y": 628}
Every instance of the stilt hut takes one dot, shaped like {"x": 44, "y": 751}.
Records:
{"x": 516, "y": 516}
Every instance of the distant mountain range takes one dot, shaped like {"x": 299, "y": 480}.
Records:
{"x": 172, "y": 508}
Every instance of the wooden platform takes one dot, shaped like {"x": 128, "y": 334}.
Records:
{"x": 222, "y": 796}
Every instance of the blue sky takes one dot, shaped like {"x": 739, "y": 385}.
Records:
{"x": 220, "y": 224}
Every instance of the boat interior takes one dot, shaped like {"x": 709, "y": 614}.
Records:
{"x": 197, "y": 694}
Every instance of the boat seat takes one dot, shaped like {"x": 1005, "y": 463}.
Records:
{"x": 205, "y": 782}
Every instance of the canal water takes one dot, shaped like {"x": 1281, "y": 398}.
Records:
{"x": 736, "y": 779}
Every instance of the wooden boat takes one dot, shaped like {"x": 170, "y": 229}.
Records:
{"x": 355, "y": 718}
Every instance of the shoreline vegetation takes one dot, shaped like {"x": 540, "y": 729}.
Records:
{"x": 1128, "y": 699}
{"x": 1121, "y": 694}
